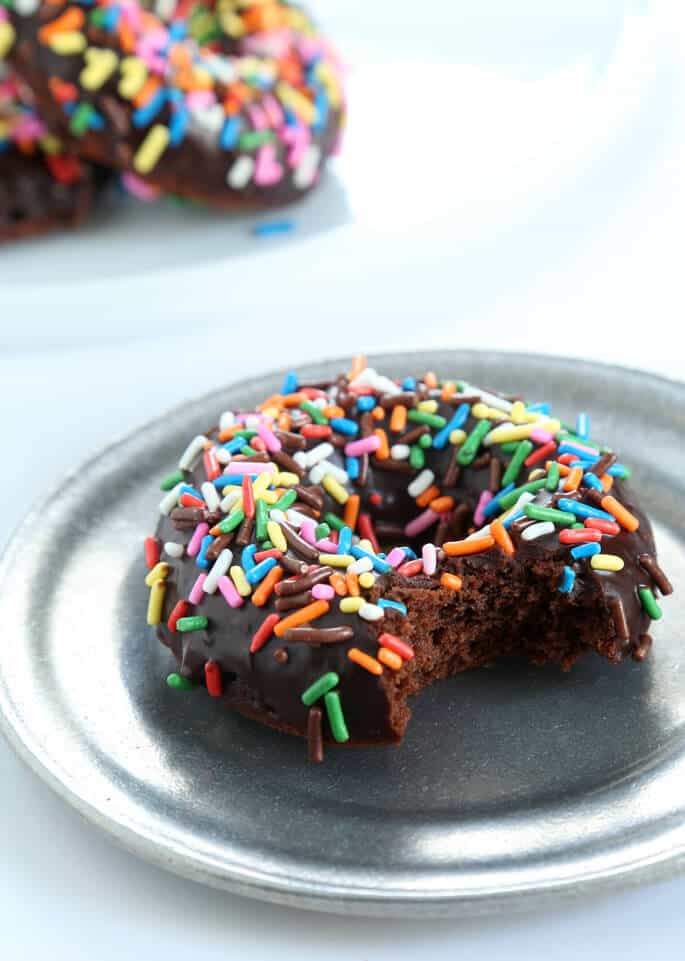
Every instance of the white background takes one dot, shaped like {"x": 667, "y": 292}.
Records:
{"x": 510, "y": 180}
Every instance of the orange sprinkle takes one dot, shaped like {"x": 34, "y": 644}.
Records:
{"x": 501, "y": 535}
{"x": 358, "y": 365}
{"x": 71, "y": 20}
{"x": 293, "y": 400}
{"x": 263, "y": 18}
{"x": 229, "y": 432}
{"x": 564, "y": 471}
{"x": 451, "y": 581}
{"x": 429, "y": 379}
{"x": 266, "y": 588}
{"x": 284, "y": 421}
{"x": 305, "y": 614}
{"x": 383, "y": 451}
{"x": 442, "y": 504}
{"x": 473, "y": 546}
{"x": 389, "y": 658}
{"x": 146, "y": 92}
{"x": 574, "y": 478}
{"x": 622, "y": 515}
{"x": 448, "y": 390}
{"x": 607, "y": 482}
{"x": 337, "y": 582}
{"x": 378, "y": 413}
{"x": 351, "y": 511}
{"x": 127, "y": 38}
{"x": 332, "y": 410}
{"x": 352, "y": 582}
{"x": 398, "y": 418}
{"x": 423, "y": 500}
{"x": 276, "y": 400}
{"x": 369, "y": 663}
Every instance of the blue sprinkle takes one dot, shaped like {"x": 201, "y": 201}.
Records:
{"x": 583, "y": 425}
{"x": 111, "y": 19}
{"x": 378, "y": 563}
{"x": 321, "y": 104}
{"x": 177, "y": 30}
{"x": 187, "y": 489}
{"x": 409, "y": 554}
{"x": 247, "y": 557}
{"x": 567, "y": 581}
{"x": 201, "y": 559}
{"x": 513, "y": 517}
{"x": 408, "y": 383}
{"x": 457, "y": 420}
{"x": 290, "y": 384}
{"x": 146, "y": 114}
{"x": 582, "y": 510}
{"x": 97, "y": 121}
{"x": 585, "y": 550}
{"x": 232, "y": 480}
{"x": 230, "y": 133}
{"x": 344, "y": 540}
{"x": 393, "y": 605}
{"x": 591, "y": 480}
{"x": 494, "y": 506}
{"x": 566, "y": 447}
{"x": 178, "y": 126}
{"x": 233, "y": 446}
{"x": 618, "y": 470}
{"x": 538, "y": 408}
{"x": 365, "y": 404}
{"x": 273, "y": 227}
{"x": 352, "y": 467}
{"x": 343, "y": 425}
{"x": 259, "y": 571}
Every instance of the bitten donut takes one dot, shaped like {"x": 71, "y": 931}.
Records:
{"x": 229, "y": 103}
{"x": 42, "y": 187}
{"x": 325, "y": 556}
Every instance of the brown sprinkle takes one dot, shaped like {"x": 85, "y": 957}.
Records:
{"x": 319, "y": 635}
{"x": 244, "y": 534}
{"x": 649, "y": 564}
{"x": 287, "y": 463}
{"x": 293, "y": 585}
{"x": 299, "y": 544}
{"x": 314, "y": 735}
{"x": 292, "y": 601}
{"x": 618, "y": 615}
{"x": 281, "y": 655}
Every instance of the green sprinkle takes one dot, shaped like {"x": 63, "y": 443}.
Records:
{"x": 321, "y": 530}
{"x": 179, "y": 683}
{"x": 337, "y": 523}
{"x": 522, "y": 451}
{"x": 335, "y": 717}
{"x": 509, "y": 446}
{"x": 265, "y": 545}
{"x": 469, "y": 449}
{"x": 286, "y": 501}
{"x": 171, "y": 480}
{"x": 232, "y": 521}
{"x": 246, "y": 433}
{"x": 577, "y": 527}
{"x": 316, "y": 690}
{"x": 649, "y": 603}
{"x": 565, "y": 518}
{"x": 98, "y": 18}
{"x": 247, "y": 450}
{"x": 417, "y": 458}
{"x": 197, "y": 622}
{"x": 313, "y": 412}
{"x": 261, "y": 519}
{"x": 425, "y": 441}
{"x": 431, "y": 420}
{"x": 508, "y": 500}
{"x": 80, "y": 119}
{"x": 252, "y": 139}
{"x": 552, "y": 481}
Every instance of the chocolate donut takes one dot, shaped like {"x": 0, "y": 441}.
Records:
{"x": 229, "y": 103}
{"x": 324, "y": 557}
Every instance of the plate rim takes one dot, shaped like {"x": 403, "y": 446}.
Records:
{"x": 341, "y": 899}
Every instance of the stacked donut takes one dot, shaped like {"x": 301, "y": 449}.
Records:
{"x": 233, "y": 102}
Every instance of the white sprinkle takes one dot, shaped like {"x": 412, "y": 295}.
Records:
{"x": 399, "y": 451}
{"x": 226, "y": 420}
{"x": 537, "y": 530}
{"x": 370, "y": 612}
{"x": 219, "y": 568}
{"x": 319, "y": 471}
{"x": 306, "y": 170}
{"x": 240, "y": 174}
{"x": 361, "y": 566}
{"x": 192, "y": 452}
{"x": 222, "y": 455}
{"x": 170, "y": 500}
{"x": 25, "y": 8}
{"x": 230, "y": 499}
{"x": 421, "y": 483}
{"x": 430, "y": 558}
{"x": 371, "y": 378}
{"x": 252, "y": 421}
{"x": 295, "y": 518}
{"x": 492, "y": 400}
{"x": 173, "y": 549}
{"x": 211, "y": 496}
{"x": 165, "y": 9}
{"x": 316, "y": 454}
{"x": 278, "y": 516}
{"x": 300, "y": 458}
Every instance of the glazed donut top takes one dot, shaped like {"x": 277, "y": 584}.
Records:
{"x": 237, "y": 100}
{"x": 315, "y": 524}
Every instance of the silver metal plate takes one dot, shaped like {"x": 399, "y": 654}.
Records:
{"x": 514, "y": 784}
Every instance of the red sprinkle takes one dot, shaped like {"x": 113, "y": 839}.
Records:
{"x": 567, "y": 459}
{"x": 396, "y": 644}
{"x": 256, "y": 443}
{"x": 264, "y": 632}
{"x": 189, "y": 500}
{"x": 213, "y": 678}
{"x": 312, "y": 393}
{"x": 366, "y": 530}
{"x": 212, "y": 468}
{"x": 272, "y": 552}
{"x": 152, "y": 551}
{"x": 180, "y": 610}
{"x": 319, "y": 431}
{"x": 375, "y": 499}
{"x": 410, "y": 568}
{"x": 542, "y": 453}
{"x": 248, "y": 497}
{"x": 64, "y": 168}
{"x": 579, "y": 537}
{"x": 598, "y": 524}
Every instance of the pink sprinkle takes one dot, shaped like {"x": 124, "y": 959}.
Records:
{"x": 195, "y": 542}
{"x": 138, "y": 188}
{"x": 229, "y": 592}
{"x": 307, "y": 528}
{"x": 540, "y": 436}
{"x": 272, "y": 442}
{"x": 4, "y": 15}
{"x": 421, "y": 523}
{"x": 430, "y": 558}
{"x": 257, "y": 117}
{"x": 483, "y": 502}
{"x": 327, "y": 547}
{"x": 196, "y": 592}
{"x": 273, "y": 111}
{"x": 268, "y": 171}
{"x": 198, "y": 100}
{"x": 298, "y": 139}
{"x": 323, "y": 592}
{"x": 249, "y": 467}
{"x": 396, "y": 557}
{"x": 588, "y": 450}
{"x": 366, "y": 445}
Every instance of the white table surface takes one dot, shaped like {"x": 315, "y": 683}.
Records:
{"x": 552, "y": 222}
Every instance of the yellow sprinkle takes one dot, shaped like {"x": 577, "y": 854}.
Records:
{"x": 336, "y": 560}
{"x": 366, "y": 544}
{"x": 286, "y": 479}
{"x": 298, "y": 103}
{"x": 518, "y": 412}
{"x": 50, "y": 144}
{"x": 271, "y": 412}
{"x": 68, "y": 43}
{"x": 270, "y": 497}
{"x": 606, "y": 562}
{"x": 335, "y": 489}
{"x": 537, "y": 473}
{"x": 7, "y": 36}
{"x": 158, "y": 573}
{"x": 155, "y": 602}
{"x": 241, "y": 584}
{"x": 509, "y": 432}
{"x": 483, "y": 412}
{"x": 276, "y": 536}
{"x": 366, "y": 580}
{"x": 151, "y": 149}
{"x": 457, "y": 436}
{"x": 231, "y": 23}
{"x": 351, "y": 605}
{"x": 428, "y": 406}
{"x": 331, "y": 82}
{"x": 133, "y": 76}
{"x": 237, "y": 504}
{"x": 100, "y": 65}
{"x": 261, "y": 484}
